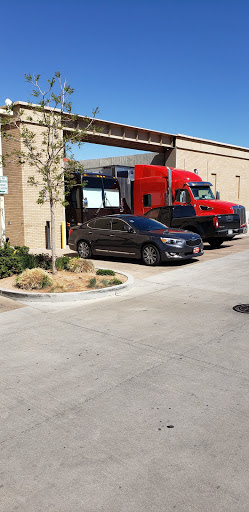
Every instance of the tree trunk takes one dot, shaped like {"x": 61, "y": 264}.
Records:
{"x": 53, "y": 248}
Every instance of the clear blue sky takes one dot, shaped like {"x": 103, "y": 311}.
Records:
{"x": 179, "y": 66}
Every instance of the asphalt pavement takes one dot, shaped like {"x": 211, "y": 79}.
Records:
{"x": 137, "y": 402}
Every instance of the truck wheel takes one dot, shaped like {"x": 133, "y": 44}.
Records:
{"x": 216, "y": 242}
{"x": 150, "y": 255}
{"x": 84, "y": 249}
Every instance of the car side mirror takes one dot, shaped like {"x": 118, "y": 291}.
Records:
{"x": 129, "y": 229}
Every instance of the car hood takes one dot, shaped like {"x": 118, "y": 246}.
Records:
{"x": 177, "y": 233}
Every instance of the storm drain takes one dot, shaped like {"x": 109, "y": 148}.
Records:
{"x": 242, "y": 308}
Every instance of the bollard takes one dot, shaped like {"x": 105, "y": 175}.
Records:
{"x": 63, "y": 235}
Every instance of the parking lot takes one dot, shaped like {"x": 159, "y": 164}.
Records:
{"x": 140, "y": 271}
{"x": 137, "y": 402}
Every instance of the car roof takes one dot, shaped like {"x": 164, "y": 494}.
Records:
{"x": 124, "y": 216}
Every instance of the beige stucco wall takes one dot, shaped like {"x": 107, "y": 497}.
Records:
{"x": 229, "y": 166}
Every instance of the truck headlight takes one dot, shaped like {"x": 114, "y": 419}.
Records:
{"x": 172, "y": 241}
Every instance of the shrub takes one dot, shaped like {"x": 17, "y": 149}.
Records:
{"x": 21, "y": 249}
{"x": 104, "y": 282}
{"x": 33, "y": 279}
{"x": 62, "y": 263}
{"x": 27, "y": 261}
{"x": 80, "y": 265}
{"x": 44, "y": 261}
{"x": 92, "y": 282}
{"x": 9, "y": 261}
{"x": 114, "y": 281}
{"x": 105, "y": 272}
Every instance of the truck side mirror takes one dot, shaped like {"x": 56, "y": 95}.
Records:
{"x": 217, "y": 195}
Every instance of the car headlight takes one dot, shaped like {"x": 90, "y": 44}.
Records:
{"x": 172, "y": 241}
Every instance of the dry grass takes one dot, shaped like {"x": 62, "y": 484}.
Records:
{"x": 65, "y": 281}
{"x": 33, "y": 279}
{"x": 81, "y": 265}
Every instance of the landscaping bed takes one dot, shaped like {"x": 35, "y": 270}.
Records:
{"x": 65, "y": 281}
{"x": 21, "y": 271}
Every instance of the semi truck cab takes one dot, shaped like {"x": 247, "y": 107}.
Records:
{"x": 156, "y": 186}
{"x": 199, "y": 194}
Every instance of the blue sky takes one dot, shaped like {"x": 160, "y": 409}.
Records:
{"x": 176, "y": 66}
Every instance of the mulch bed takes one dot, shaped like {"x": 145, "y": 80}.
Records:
{"x": 65, "y": 282}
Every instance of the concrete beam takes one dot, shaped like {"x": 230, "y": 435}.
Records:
{"x": 125, "y": 136}
{"x": 109, "y": 133}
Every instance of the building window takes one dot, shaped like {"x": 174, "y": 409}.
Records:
{"x": 214, "y": 181}
{"x": 238, "y": 186}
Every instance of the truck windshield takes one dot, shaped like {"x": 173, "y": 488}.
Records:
{"x": 202, "y": 192}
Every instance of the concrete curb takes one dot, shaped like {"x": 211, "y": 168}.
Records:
{"x": 70, "y": 296}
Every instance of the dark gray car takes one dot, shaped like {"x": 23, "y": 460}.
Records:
{"x": 133, "y": 236}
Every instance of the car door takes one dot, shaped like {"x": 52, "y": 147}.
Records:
{"x": 101, "y": 235}
{"x": 124, "y": 239}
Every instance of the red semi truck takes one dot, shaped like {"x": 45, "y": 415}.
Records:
{"x": 156, "y": 186}
{"x": 145, "y": 187}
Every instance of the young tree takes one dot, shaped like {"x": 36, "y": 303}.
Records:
{"x": 53, "y": 112}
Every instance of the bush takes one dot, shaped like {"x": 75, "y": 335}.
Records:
{"x": 105, "y": 272}
{"x": 9, "y": 261}
{"x": 21, "y": 249}
{"x": 92, "y": 282}
{"x": 80, "y": 265}
{"x": 114, "y": 281}
{"x": 44, "y": 261}
{"x": 33, "y": 279}
{"x": 104, "y": 283}
{"x": 27, "y": 261}
{"x": 62, "y": 263}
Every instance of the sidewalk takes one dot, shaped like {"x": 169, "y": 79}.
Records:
{"x": 59, "y": 252}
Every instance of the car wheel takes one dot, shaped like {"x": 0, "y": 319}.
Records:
{"x": 84, "y": 249}
{"x": 150, "y": 255}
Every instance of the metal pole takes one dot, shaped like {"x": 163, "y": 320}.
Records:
{"x": 169, "y": 190}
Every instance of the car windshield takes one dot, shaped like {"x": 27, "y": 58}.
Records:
{"x": 203, "y": 192}
{"x": 145, "y": 224}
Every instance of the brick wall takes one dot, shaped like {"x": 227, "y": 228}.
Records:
{"x": 35, "y": 215}
{"x": 13, "y": 201}
{"x": 25, "y": 219}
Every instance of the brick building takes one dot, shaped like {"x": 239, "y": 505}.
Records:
{"x": 224, "y": 165}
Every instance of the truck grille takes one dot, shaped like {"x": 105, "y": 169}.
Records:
{"x": 241, "y": 211}
{"x": 193, "y": 243}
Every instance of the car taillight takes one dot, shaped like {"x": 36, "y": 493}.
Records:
{"x": 216, "y": 222}
{"x": 70, "y": 231}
